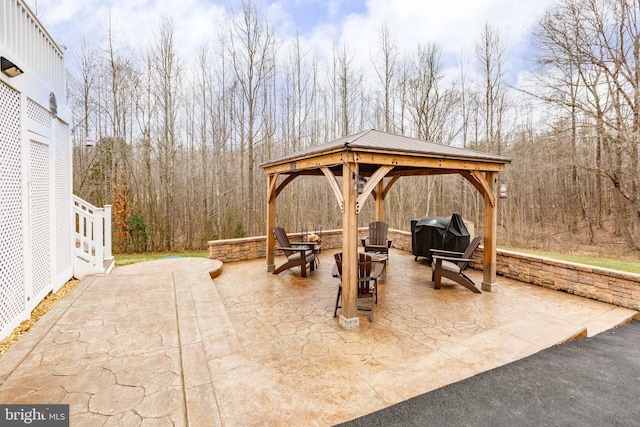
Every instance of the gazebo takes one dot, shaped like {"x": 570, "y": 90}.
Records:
{"x": 375, "y": 160}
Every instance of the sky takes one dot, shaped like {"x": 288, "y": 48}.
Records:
{"x": 455, "y": 25}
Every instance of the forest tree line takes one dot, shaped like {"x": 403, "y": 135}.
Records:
{"x": 177, "y": 146}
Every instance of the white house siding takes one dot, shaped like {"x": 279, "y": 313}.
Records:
{"x": 35, "y": 168}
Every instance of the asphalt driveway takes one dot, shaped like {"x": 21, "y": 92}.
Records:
{"x": 589, "y": 382}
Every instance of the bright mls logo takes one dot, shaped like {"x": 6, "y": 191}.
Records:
{"x": 34, "y": 415}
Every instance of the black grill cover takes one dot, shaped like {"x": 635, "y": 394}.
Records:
{"x": 435, "y": 232}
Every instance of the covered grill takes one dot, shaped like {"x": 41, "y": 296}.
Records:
{"x": 438, "y": 233}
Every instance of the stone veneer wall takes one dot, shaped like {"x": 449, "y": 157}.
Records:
{"x": 401, "y": 239}
{"x": 610, "y": 286}
{"x": 230, "y": 250}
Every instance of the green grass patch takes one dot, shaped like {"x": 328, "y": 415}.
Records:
{"x": 628, "y": 266}
{"x": 614, "y": 264}
{"x": 126, "y": 259}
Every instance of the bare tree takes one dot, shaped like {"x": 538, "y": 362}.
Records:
{"x": 432, "y": 107}
{"x": 346, "y": 90}
{"x": 165, "y": 78}
{"x": 82, "y": 88}
{"x": 385, "y": 66}
{"x": 490, "y": 51}
{"x": 594, "y": 47}
{"x": 250, "y": 46}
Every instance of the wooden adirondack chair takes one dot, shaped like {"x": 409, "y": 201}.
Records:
{"x": 377, "y": 238}
{"x": 368, "y": 274}
{"x": 451, "y": 265}
{"x": 298, "y": 253}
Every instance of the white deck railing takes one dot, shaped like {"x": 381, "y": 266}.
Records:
{"x": 30, "y": 46}
{"x": 92, "y": 230}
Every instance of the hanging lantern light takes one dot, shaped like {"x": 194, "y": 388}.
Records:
{"x": 503, "y": 191}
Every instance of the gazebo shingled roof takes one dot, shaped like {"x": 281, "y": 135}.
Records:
{"x": 377, "y": 155}
{"x": 372, "y": 139}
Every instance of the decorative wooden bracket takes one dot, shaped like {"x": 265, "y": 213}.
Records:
{"x": 272, "y": 192}
{"x": 377, "y": 176}
{"x": 274, "y": 188}
{"x": 286, "y": 182}
{"x": 333, "y": 182}
{"x": 477, "y": 179}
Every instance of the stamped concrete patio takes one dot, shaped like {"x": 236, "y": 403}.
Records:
{"x": 160, "y": 343}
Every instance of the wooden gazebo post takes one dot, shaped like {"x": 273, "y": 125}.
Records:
{"x": 349, "y": 315}
{"x": 490, "y": 233}
{"x": 272, "y": 180}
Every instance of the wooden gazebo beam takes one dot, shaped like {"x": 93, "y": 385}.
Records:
{"x": 412, "y": 167}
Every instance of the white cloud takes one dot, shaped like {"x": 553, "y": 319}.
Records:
{"x": 454, "y": 25}
{"x": 134, "y": 22}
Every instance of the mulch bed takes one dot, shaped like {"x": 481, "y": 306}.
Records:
{"x": 36, "y": 314}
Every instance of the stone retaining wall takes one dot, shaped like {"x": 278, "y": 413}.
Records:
{"x": 401, "y": 239}
{"x": 602, "y": 284}
{"x": 231, "y": 250}
{"x": 610, "y": 286}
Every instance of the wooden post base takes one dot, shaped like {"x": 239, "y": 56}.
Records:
{"x": 349, "y": 324}
{"x": 489, "y": 287}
